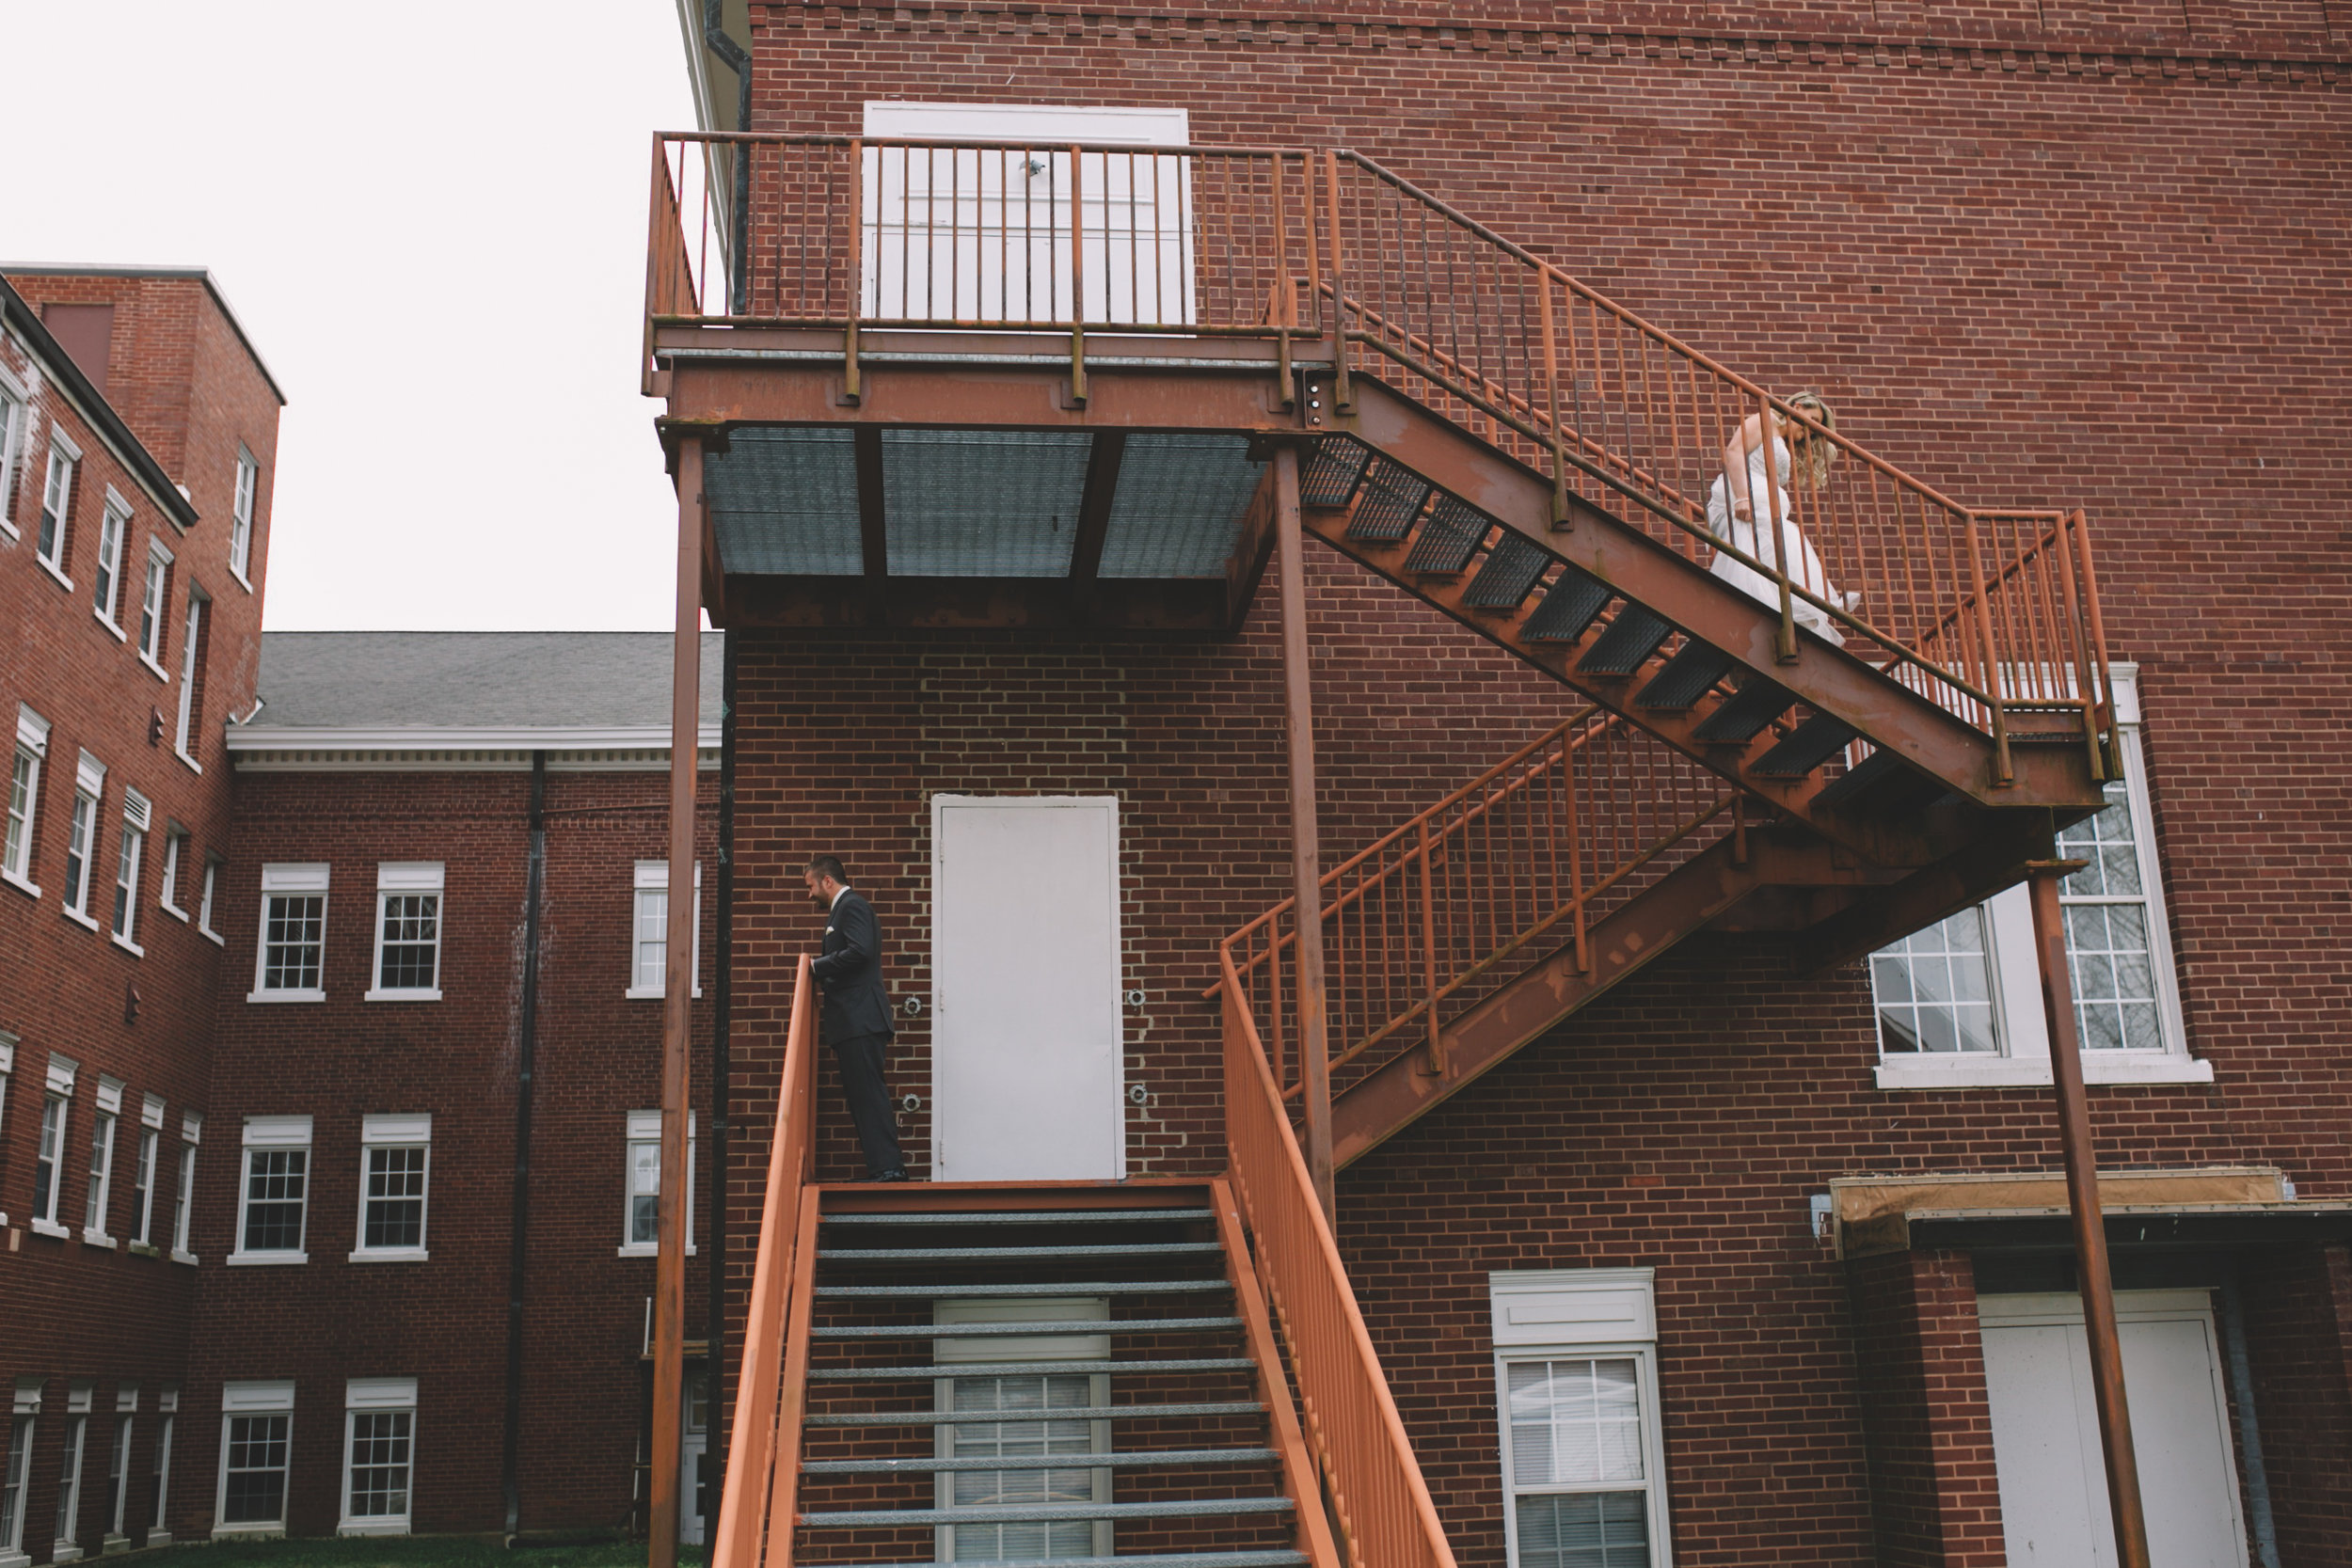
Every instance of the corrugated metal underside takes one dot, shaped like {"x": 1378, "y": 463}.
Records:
{"x": 965, "y": 503}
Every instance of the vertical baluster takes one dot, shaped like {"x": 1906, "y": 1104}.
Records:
{"x": 2002, "y": 773}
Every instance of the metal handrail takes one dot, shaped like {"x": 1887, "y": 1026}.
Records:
{"x": 754, "y": 1528}
{"x": 1374, "y": 1487}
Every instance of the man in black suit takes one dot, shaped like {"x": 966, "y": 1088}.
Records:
{"x": 856, "y": 1017}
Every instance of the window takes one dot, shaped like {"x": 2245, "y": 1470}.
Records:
{"x": 69, "y": 1473}
{"x": 32, "y": 747}
{"x": 241, "y": 516}
{"x": 113, "y": 525}
{"x": 408, "y": 932}
{"x": 291, "y": 963}
{"x": 137, "y": 815}
{"x": 275, "y": 1196}
{"x": 56, "y": 504}
{"x": 204, "y": 901}
{"x": 191, "y": 645}
{"x": 7, "y": 1070}
{"x": 143, "y": 1178}
{"x": 90, "y": 783}
{"x": 1011, "y": 1418}
{"x": 1583, "y": 1462}
{"x": 394, "y": 1154}
{"x": 650, "y": 930}
{"x": 379, "y": 1432}
{"x": 101, "y": 1162}
{"x": 119, "y": 1464}
{"x": 183, "y": 1196}
{"x": 640, "y": 1229}
{"x": 256, "y": 1437}
{"x": 175, "y": 854}
{"x": 12, "y": 417}
{"x": 158, "y": 1526}
{"x": 49, "y": 1157}
{"x": 154, "y": 594}
{"x": 16, "y": 1471}
{"x": 1960, "y": 1004}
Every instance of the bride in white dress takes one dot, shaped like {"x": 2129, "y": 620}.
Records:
{"x": 1735, "y": 510}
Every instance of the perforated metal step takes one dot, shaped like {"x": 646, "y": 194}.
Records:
{"x": 1133, "y": 1459}
{"x": 1388, "y": 501}
{"x": 1746, "y": 713}
{"x": 1026, "y": 1288}
{"x": 1813, "y": 744}
{"x": 1694, "y": 668}
{"x": 1039, "y": 1513}
{"x": 1568, "y": 606}
{"x": 1627, "y": 643}
{"x": 1025, "y": 1368}
{"x": 1450, "y": 537}
{"x": 1008, "y": 1254}
{"x": 1026, "y": 1216}
{"x": 1507, "y": 576}
{"x": 1080, "y": 1413}
{"x": 1017, "y": 1331}
{"x": 1330, "y": 475}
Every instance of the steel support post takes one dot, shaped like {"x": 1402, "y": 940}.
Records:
{"x": 2091, "y": 1238}
{"x": 1314, "y": 1056}
{"x": 677, "y": 999}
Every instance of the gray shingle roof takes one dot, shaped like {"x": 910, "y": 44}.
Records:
{"x": 472, "y": 680}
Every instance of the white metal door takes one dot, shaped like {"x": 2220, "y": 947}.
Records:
{"x": 1026, "y": 1033}
{"x": 2045, "y": 1431}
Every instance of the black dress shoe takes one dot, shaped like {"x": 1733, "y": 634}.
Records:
{"x": 889, "y": 1175}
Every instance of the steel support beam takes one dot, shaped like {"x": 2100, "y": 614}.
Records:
{"x": 2090, "y": 1237}
{"x": 1314, "y": 1053}
{"x": 669, "y": 1326}
{"x": 1094, "y": 519}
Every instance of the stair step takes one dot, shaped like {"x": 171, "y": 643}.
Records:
{"x": 996, "y": 1254}
{"x": 1688, "y": 677}
{"x": 1039, "y": 1513}
{"x": 1744, "y": 714}
{"x": 1026, "y": 1216}
{"x": 1569, "y": 605}
{"x": 1510, "y": 573}
{"x": 1446, "y": 542}
{"x": 1330, "y": 477}
{"x": 1141, "y": 1560}
{"x": 1025, "y": 1369}
{"x": 1386, "y": 502}
{"x": 1029, "y": 1288}
{"x": 1627, "y": 643}
{"x": 1008, "y": 1331}
{"x": 1125, "y": 1460}
{"x": 1082, "y": 1413}
{"x": 1880, "y": 781}
{"x": 1813, "y": 744}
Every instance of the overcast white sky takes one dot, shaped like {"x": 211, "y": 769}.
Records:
{"x": 430, "y": 217}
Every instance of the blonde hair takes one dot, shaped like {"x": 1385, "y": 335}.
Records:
{"x": 1813, "y": 456}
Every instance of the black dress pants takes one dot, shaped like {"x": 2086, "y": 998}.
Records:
{"x": 859, "y": 1057}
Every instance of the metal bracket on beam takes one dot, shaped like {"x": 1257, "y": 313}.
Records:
{"x": 712, "y": 434}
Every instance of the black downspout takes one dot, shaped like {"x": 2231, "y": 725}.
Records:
{"x": 723, "y": 1008}
{"x": 738, "y": 59}
{"x": 534, "y": 882}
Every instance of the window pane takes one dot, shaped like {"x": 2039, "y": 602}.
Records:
{"x": 256, "y": 1491}
{"x": 412, "y": 930}
{"x": 274, "y": 1182}
{"x": 644, "y": 1191}
{"x": 1935, "y": 989}
{"x": 1575, "y": 1422}
{"x": 1605, "y": 1529}
{"x": 395, "y": 1199}
{"x": 1021, "y": 1439}
{"x": 294, "y": 941}
{"x": 2115, "y": 982}
{"x": 379, "y": 1463}
{"x": 653, "y": 938}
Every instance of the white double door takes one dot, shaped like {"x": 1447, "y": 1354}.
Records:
{"x": 1027, "y": 1031}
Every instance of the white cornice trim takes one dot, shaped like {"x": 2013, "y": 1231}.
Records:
{"x": 271, "y": 737}
{"x": 617, "y": 759}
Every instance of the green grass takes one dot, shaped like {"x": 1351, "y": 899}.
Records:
{"x": 409, "y": 1551}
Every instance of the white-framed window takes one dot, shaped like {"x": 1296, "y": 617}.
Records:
{"x": 129, "y": 851}
{"x": 1960, "y": 1005}
{"x": 241, "y": 516}
{"x": 154, "y": 597}
{"x": 114, "y": 527}
{"x": 204, "y": 901}
{"x": 16, "y": 1470}
{"x": 57, "y": 504}
{"x": 290, "y": 961}
{"x": 15, "y": 410}
{"x": 99, "y": 1197}
{"x": 90, "y": 787}
{"x": 8, "y": 1071}
{"x": 379, "y": 1454}
{"x": 191, "y": 649}
{"x": 77, "y": 1408}
{"x": 641, "y": 1228}
{"x": 119, "y": 1465}
{"x": 649, "y": 930}
{"x": 167, "y": 1419}
{"x": 274, "y": 1200}
{"x": 49, "y": 1155}
{"x": 175, "y": 856}
{"x": 395, "y": 1161}
{"x": 183, "y": 1195}
{"x": 256, "y": 1441}
{"x": 407, "y": 966}
{"x": 1583, "y": 1456}
{"x": 32, "y": 749}
{"x": 143, "y": 1176}
{"x": 1011, "y": 1416}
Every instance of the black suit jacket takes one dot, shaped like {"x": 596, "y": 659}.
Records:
{"x": 850, "y": 971}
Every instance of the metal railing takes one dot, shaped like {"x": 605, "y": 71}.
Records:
{"x": 1378, "y": 1497}
{"x": 755, "y": 1511}
{"x": 1437, "y": 914}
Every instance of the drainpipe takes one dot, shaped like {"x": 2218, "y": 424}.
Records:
{"x": 738, "y": 59}
{"x": 534, "y": 882}
{"x": 2248, "y": 1429}
{"x": 723, "y": 1006}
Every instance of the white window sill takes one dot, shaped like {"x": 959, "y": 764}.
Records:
{"x": 54, "y": 570}
{"x": 97, "y": 1238}
{"x": 654, "y": 993}
{"x": 248, "y": 1532}
{"x": 128, "y": 945}
{"x": 240, "y": 577}
{"x": 65, "y": 1551}
{"x": 31, "y": 889}
{"x": 188, "y": 1258}
{"x": 79, "y": 918}
{"x": 433, "y": 995}
{"x": 391, "y": 1255}
{"x": 176, "y": 912}
{"x": 194, "y": 767}
{"x": 1986, "y": 1071}
{"x": 14, "y": 1559}
{"x": 10, "y": 530}
{"x": 646, "y": 1249}
{"x": 144, "y": 1249}
{"x": 212, "y": 936}
{"x": 280, "y": 995}
{"x": 99, "y": 616}
{"x": 264, "y": 1260}
{"x": 115, "y": 1545}
{"x": 43, "y": 1227}
{"x": 373, "y": 1527}
{"x": 154, "y": 1538}
{"x": 154, "y": 669}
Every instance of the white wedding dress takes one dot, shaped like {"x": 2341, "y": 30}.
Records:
{"x": 1754, "y": 536}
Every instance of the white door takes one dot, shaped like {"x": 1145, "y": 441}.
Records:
{"x": 1026, "y": 1032}
{"x": 694, "y": 1502}
{"x": 2045, "y": 1431}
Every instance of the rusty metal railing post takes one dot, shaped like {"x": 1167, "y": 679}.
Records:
{"x": 2079, "y": 528}
{"x": 850, "y": 389}
{"x": 2004, "y": 773}
{"x": 2086, "y": 689}
{"x": 1078, "y": 271}
{"x": 1559, "y": 516}
{"x": 2090, "y": 1237}
{"x": 1429, "y": 952}
{"x": 1315, "y": 1054}
{"x": 1343, "y": 400}
{"x": 1784, "y": 635}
